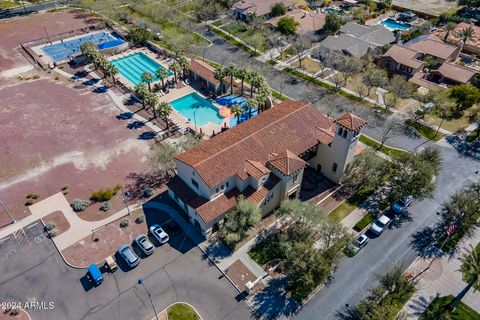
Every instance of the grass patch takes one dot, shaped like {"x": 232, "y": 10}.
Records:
{"x": 424, "y": 130}
{"x": 7, "y": 4}
{"x": 218, "y": 23}
{"x": 462, "y": 311}
{"x": 309, "y": 65}
{"x": 343, "y": 210}
{"x": 182, "y": 311}
{"x": 474, "y": 135}
{"x": 235, "y": 42}
{"x": 272, "y": 62}
{"x": 261, "y": 253}
{"x": 279, "y": 96}
{"x": 391, "y": 152}
{"x": 398, "y": 304}
{"x": 365, "y": 221}
{"x": 467, "y": 277}
{"x": 452, "y": 125}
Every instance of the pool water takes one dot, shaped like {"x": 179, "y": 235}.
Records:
{"x": 63, "y": 50}
{"x": 396, "y": 25}
{"x": 237, "y": 100}
{"x": 133, "y": 66}
{"x": 186, "y": 105}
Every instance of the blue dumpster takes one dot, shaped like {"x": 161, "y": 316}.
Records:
{"x": 95, "y": 274}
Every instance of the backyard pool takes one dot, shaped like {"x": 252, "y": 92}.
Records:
{"x": 395, "y": 25}
{"x": 63, "y": 50}
{"x": 237, "y": 100}
{"x": 131, "y": 67}
{"x": 206, "y": 111}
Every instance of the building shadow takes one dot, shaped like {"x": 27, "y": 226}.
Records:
{"x": 216, "y": 251}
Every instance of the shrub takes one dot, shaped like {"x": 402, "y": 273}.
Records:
{"x": 148, "y": 193}
{"x": 140, "y": 219}
{"x": 105, "y": 206}
{"x": 53, "y": 233}
{"x": 49, "y": 226}
{"x": 15, "y": 312}
{"x": 29, "y": 202}
{"x": 125, "y": 222}
{"x": 79, "y": 204}
{"x": 33, "y": 196}
{"x": 36, "y": 76}
{"x": 103, "y": 195}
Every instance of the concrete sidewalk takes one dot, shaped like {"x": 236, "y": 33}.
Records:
{"x": 443, "y": 278}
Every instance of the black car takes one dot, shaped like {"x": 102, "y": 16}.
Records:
{"x": 173, "y": 228}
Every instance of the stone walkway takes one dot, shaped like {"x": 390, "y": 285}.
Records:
{"x": 443, "y": 278}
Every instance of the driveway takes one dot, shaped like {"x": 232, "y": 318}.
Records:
{"x": 37, "y": 272}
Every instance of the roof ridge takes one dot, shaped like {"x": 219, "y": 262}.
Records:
{"x": 255, "y": 133}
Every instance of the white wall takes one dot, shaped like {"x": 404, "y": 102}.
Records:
{"x": 186, "y": 173}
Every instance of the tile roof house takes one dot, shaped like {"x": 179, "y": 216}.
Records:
{"x": 471, "y": 46}
{"x": 410, "y": 60}
{"x": 259, "y": 8}
{"x": 358, "y": 40}
{"x": 308, "y": 23}
{"x": 262, "y": 160}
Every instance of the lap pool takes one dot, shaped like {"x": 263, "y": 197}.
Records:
{"x": 206, "y": 111}
{"x": 131, "y": 67}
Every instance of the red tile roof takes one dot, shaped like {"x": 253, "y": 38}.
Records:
{"x": 204, "y": 70}
{"x": 260, "y": 194}
{"x": 287, "y": 162}
{"x": 291, "y": 125}
{"x": 351, "y": 121}
{"x": 255, "y": 169}
{"x": 325, "y": 136}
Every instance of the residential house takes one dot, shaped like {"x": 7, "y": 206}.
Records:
{"x": 205, "y": 74}
{"x": 263, "y": 160}
{"x": 472, "y": 46}
{"x": 357, "y": 40}
{"x": 245, "y": 9}
{"x": 428, "y": 62}
{"x": 308, "y": 23}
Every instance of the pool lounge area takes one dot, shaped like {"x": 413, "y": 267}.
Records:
{"x": 133, "y": 65}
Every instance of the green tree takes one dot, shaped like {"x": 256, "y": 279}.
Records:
{"x": 471, "y": 273}
{"x": 175, "y": 67}
{"x": 164, "y": 110}
{"x": 449, "y": 27}
{"x": 238, "y": 111}
{"x": 287, "y": 26}
{"x": 147, "y": 78}
{"x": 374, "y": 77}
{"x": 111, "y": 71}
{"x": 396, "y": 283}
{"x": 151, "y": 101}
{"x": 242, "y": 74}
{"x": 366, "y": 172}
{"x": 278, "y": 9}
{"x": 162, "y": 74}
{"x": 333, "y": 23}
{"x": 139, "y": 36}
{"x": 443, "y": 106}
{"x": 184, "y": 64}
{"x": 251, "y": 104}
{"x": 466, "y": 34}
{"x": 231, "y": 72}
{"x": 141, "y": 91}
{"x": 220, "y": 74}
{"x": 432, "y": 155}
{"x": 466, "y": 95}
{"x": 162, "y": 158}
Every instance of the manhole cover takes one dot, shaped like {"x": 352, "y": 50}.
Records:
{"x": 39, "y": 239}
{"x": 11, "y": 254}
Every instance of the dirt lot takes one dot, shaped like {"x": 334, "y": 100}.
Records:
{"x": 55, "y": 135}
{"x": 15, "y": 31}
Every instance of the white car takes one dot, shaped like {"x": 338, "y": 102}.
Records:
{"x": 380, "y": 224}
{"x": 159, "y": 233}
{"x": 129, "y": 256}
{"x": 144, "y": 244}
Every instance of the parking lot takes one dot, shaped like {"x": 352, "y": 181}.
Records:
{"x": 176, "y": 271}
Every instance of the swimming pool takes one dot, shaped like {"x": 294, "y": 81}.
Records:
{"x": 207, "y": 112}
{"x": 395, "y": 25}
{"x": 65, "y": 49}
{"x": 131, "y": 67}
{"x": 241, "y": 101}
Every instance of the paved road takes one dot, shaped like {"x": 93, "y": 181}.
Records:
{"x": 175, "y": 272}
{"x": 356, "y": 275}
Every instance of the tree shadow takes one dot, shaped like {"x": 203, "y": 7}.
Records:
{"x": 79, "y": 75}
{"x": 463, "y": 147}
{"x": 101, "y": 89}
{"x": 90, "y": 82}
{"x": 423, "y": 242}
{"x": 148, "y": 135}
{"x": 125, "y": 116}
{"x": 136, "y": 125}
{"x": 273, "y": 301}
{"x": 139, "y": 182}
{"x": 216, "y": 251}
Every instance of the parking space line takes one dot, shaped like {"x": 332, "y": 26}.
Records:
{"x": 31, "y": 226}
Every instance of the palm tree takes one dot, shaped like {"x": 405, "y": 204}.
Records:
{"x": 184, "y": 64}
{"x": 111, "y": 71}
{"x": 103, "y": 65}
{"x": 466, "y": 34}
{"x": 250, "y": 105}
{"x": 164, "y": 110}
{"x": 175, "y": 67}
{"x": 449, "y": 27}
{"x": 396, "y": 283}
{"x": 242, "y": 74}
{"x": 471, "y": 272}
{"x": 162, "y": 74}
{"x": 147, "y": 77}
{"x": 141, "y": 91}
{"x": 151, "y": 100}
{"x": 254, "y": 78}
{"x": 220, "y": 74}
{"x": 238, "y": 110}
{"x": 231, "y": 71}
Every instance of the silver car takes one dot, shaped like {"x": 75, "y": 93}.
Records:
{"x": 159, "y": 233}
{"x": 380, "y": 224}
{"x": 127, "y": 253}
{"x": 145, "y": 245}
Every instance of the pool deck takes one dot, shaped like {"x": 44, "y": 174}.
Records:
{"x": 46, "y": 58}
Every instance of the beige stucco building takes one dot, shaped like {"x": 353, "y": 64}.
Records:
{"x": 262, "y": 159}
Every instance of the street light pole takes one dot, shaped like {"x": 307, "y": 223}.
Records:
{"x": 140, "y": 281}
{"x": 125, "y": 200}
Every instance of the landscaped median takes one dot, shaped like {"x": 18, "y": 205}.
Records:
{"x": 391, "y": 152}
{"x": 424, "y": 130}
{"x": 182, "y": 311}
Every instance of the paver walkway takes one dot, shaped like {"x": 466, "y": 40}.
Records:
{"x": 443, "y": 278}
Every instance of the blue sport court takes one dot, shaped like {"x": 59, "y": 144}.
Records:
{"x": 131, "y": 67}
{"x": 66, "y": 49}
